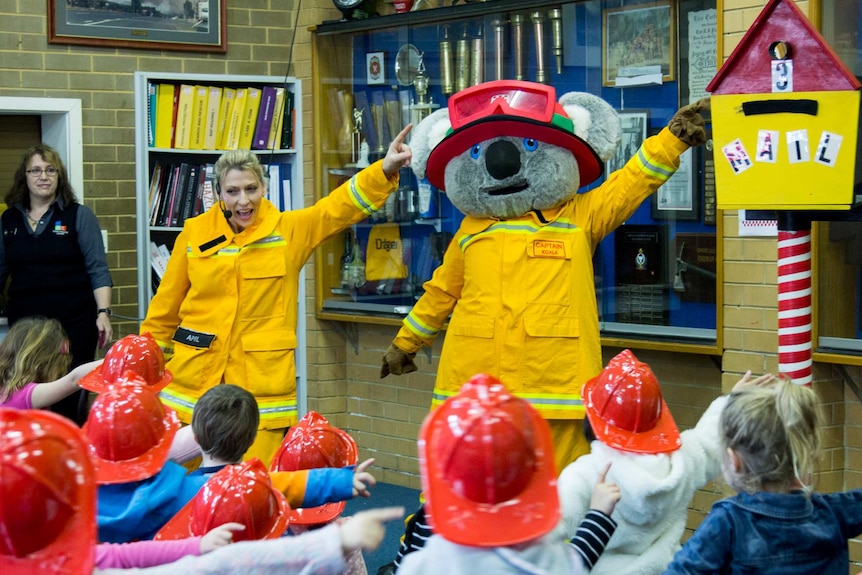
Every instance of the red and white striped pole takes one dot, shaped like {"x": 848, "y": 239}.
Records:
{"x": 794, "y": 303}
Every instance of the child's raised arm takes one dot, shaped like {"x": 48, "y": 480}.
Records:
{"x": 45, "y": 394}
{"x": 362, "y": 480}
{"x": 746, "y": 382}
{"x": 366, "y": 529}
{"x": 605, "y": 495}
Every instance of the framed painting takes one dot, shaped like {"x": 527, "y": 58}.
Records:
{"x": 634, "y": 132}
{"x": 199, "y": 26}
{"x": 638, "y": 40}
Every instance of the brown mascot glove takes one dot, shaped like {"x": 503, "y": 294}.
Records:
{"x": 688, "y": 124}
{"x": 397, "y": 362}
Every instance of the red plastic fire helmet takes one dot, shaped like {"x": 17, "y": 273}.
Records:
{"x": 509, "y": 108}
{"x": 311, "y": 444}
{"x": 47, "y": 495}
{"x": 626, "y": 409}
{"x": 138, "y": 353}
{"x": 130, "y": 432}
{"x": 487, "y": 466}
{"x": 242, "y": 493}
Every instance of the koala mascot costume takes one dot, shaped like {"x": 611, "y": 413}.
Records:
{"x": 517, "y": 277}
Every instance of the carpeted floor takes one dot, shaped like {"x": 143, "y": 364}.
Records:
{"x": 385, "y": 495}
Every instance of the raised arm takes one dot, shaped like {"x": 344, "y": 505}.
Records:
{"x": 49, "y": 393}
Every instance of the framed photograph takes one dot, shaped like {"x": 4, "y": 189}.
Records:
{"x": 199, "y": 26}
{"x": 676, "y": 198}
{"x": 634, "y": 125}
{"x": 638, "y": 41}
{"x": 375, "y": 68}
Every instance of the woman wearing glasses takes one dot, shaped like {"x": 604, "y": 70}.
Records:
{"x": 53, "y": 256}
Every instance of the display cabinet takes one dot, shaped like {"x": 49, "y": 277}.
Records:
{"x": 657, "y": 277}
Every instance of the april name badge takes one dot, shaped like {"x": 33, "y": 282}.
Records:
{"x": 192, "y": 338}
{"x": 737, "y": 156}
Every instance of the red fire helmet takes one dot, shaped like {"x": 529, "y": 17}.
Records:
{"x": 487, "y": 466}
{"x": 242, "y": 493}
{"x": 137, "y": 353}
{"x": 130, "y": 432}
{"x": 509, "y": 108}
{"x": 47, "y": 495}
{"x": 626, "y": 409}
{"x": 311, "y": 444}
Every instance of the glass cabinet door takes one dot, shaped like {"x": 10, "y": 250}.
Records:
{"x": 656, "y": 275}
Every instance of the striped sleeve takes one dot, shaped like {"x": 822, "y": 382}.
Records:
{"x": 592, "y": 536}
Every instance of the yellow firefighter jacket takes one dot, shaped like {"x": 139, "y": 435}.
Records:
{"x": 242, "y": 289}
{"x": 521, "y": 292}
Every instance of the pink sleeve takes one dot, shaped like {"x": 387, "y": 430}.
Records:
{"x": 21, "y": 399}
{"x": 184, "y": 447}
{"x": 145, "y": 553}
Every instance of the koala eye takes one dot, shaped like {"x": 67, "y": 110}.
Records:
{"x": 475, "y": 151}
{"x": 530, "y": 144}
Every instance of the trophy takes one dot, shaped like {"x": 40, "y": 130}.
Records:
{"x": 346, "y": 131}
{"x": 518, "y": 44}
{"x": 421, "y": 108}
{"x": 477, "y": 59}
{"x": 356, "y": 142}
{"x": 555, "y": 15}
{"x": 499, "y": 26}
{"x": 377, "y": 113}
{"x": 447, "y": 81}
{"x": 393, "y": 116}
{"x": 539, "y": 32}
{"x": 462, "y": 62}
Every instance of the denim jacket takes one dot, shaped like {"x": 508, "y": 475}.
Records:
{"x": 774, "y": 534}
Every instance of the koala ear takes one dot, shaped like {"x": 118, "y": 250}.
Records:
{"x": 425, "y": 136}
{"x": 596, "y": 122}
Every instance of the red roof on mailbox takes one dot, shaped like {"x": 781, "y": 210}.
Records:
{"x": 816, "y": 68}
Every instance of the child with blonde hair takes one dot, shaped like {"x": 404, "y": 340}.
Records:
{"x": 36, "y": 350}
{"x": 777, "y": 523}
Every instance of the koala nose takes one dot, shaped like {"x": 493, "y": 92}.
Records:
{"x": 502, "y": 160}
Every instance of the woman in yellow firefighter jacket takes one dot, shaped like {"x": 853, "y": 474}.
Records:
{"x": 226, "y": 309}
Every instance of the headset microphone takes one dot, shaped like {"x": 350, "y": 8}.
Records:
{"x": 226, "y": 212}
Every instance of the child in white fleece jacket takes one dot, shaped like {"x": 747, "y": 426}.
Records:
{"x": 657, "y": 468}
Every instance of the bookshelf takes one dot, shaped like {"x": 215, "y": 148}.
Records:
{"x": 162, "y": 145}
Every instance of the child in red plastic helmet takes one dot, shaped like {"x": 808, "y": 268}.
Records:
{"x": 313, "y": 444}
{"x": 140, "y": 490}
{"x": 141, "y": 356}
{"x": 48, "y": 506}
{"x": 241, "y": 493}
{"x": 137, "y": 353}
{"x": 488, "y": 475}
{"x": 36, "y": 350}
{"x": 658, "y": 469}
{"x": 48, "y": 510}
{"x": 225, "y": 422}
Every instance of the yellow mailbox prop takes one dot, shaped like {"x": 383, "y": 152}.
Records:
{"x": 785, "y": 113}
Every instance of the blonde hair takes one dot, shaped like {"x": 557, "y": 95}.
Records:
{"x": 30, "y": 352}
{"x": 243, "y": 160}
{"x": 776, "y": 434}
